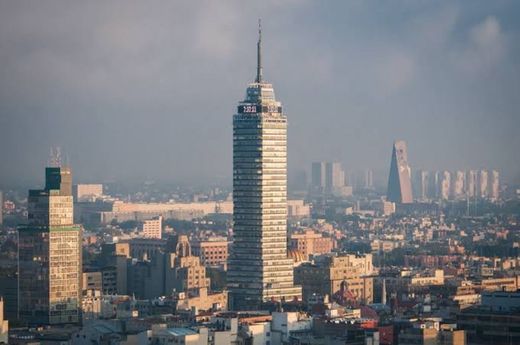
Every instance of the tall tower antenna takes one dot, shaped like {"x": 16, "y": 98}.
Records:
{"x": 259, "y": 53}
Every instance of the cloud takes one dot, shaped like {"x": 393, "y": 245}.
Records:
{"x": 485, "y": 48}
{"x": 132, "y": 89}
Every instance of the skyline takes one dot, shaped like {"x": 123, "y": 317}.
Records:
{"x": 106, "y": 97}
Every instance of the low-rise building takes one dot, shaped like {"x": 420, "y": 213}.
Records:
{"x": 332, "y": 273}
{"x": 311, "y": 243}
{"x": 152, "y": 228}
{"x": 212, "y": 252}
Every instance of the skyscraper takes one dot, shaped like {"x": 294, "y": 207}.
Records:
{"x": 494, "y": 185}
{"x": 369, "y": 179}
{"x": 335, "y": 176}
{"x": 399, "y": 180}
{"x": 483, "y": 186}
{"x": 445, "y": 185}
{"x": 259, "y": 269}
{"x": 420, "y": 184}
{"x": 471, "y": 188}
{"x": 318, "y": 177}
{"x": 49, "y": 255}
{"x": 459, "y": 184}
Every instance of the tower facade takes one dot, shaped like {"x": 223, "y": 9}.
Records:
{"x": 259, "y": 270}
{"x": 459, "y": 185}
{"x": 49, "y": 254}
{"x": 494, "y": 185}
{"x": 399, "y": 180}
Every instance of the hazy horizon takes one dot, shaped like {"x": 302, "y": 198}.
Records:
{"x": 146, "y": 91}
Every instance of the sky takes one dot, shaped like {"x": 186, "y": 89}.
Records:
{"x": 135, "y": 90}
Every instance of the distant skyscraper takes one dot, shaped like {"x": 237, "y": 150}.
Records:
{"x": 399, "y": 180}
{"x": 369, "y": 179}
{"x": 445, "y": 185}
{"x": 483, "y": 186}
{"x": 318, "y": 177}
{"x": 494, "y": 185}
{"x": 422, "y": 185}
{"x": 459, "y": 185}
{"x": 335, "y": 176}
{"x": 49, "y": 254}
{"x": 259, "y": 269}
{"x": 471, "y": 188}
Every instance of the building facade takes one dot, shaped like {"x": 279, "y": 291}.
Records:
{"x": 258, "y": 268}
{"x": 49, "y": 258}
{"x": 152, "y": 228}
{"x": 399, "y": 180}
{"x": 332, "y": 273}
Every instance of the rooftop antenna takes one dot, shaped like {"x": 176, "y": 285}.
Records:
{"x": 55, "y": 157}
{"x": 259, "y": 53}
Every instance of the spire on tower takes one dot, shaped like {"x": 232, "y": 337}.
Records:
{"x": 259, "y": 54}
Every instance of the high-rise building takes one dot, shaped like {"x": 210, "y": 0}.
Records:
{"x": 445, "y": 185}
{"x": 483, "y": 187}
{"x": 318, "y": 176}
{"x": 471, "y": 188}
{"x": 421, "y": 185}
{"x": 434, "y": 185}
{"x": 494, "y": 185}
{"x": 49, "y": 254}
{"x": 399, "y": 180}
{"x": 335, "y": 177}
{"x": 369, "y": 179}
{"x": 459, "y": 185}
{"x": 259, "y": 269}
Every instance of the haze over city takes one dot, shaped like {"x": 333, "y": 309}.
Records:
{"x": 264, "y": 173}
{"x": 139, "y": 91}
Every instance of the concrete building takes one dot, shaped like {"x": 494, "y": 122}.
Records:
{"x": 152, "y": 228}
{"x": 331, "y": 273}
{"x": 203, "y": 300}
{"x": 104, "y": 280}
{"x": 185, "y": 336}
{"x": 50, "y": 259}
{"x": 399, "y": 180}
{"x": 123, "y": 211}
{"x": 258, "y": 268}
{"x": 495, "y": 321}
{"x": 185, "y": 271}
{"x": 436, "y": 279}
{"x": 213, "y": 252}
{"x": 311, "y": 243}
{"x": 87, "y": 192}
{"x": 423, "y": 334}
{"x": 298, "y": 209}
